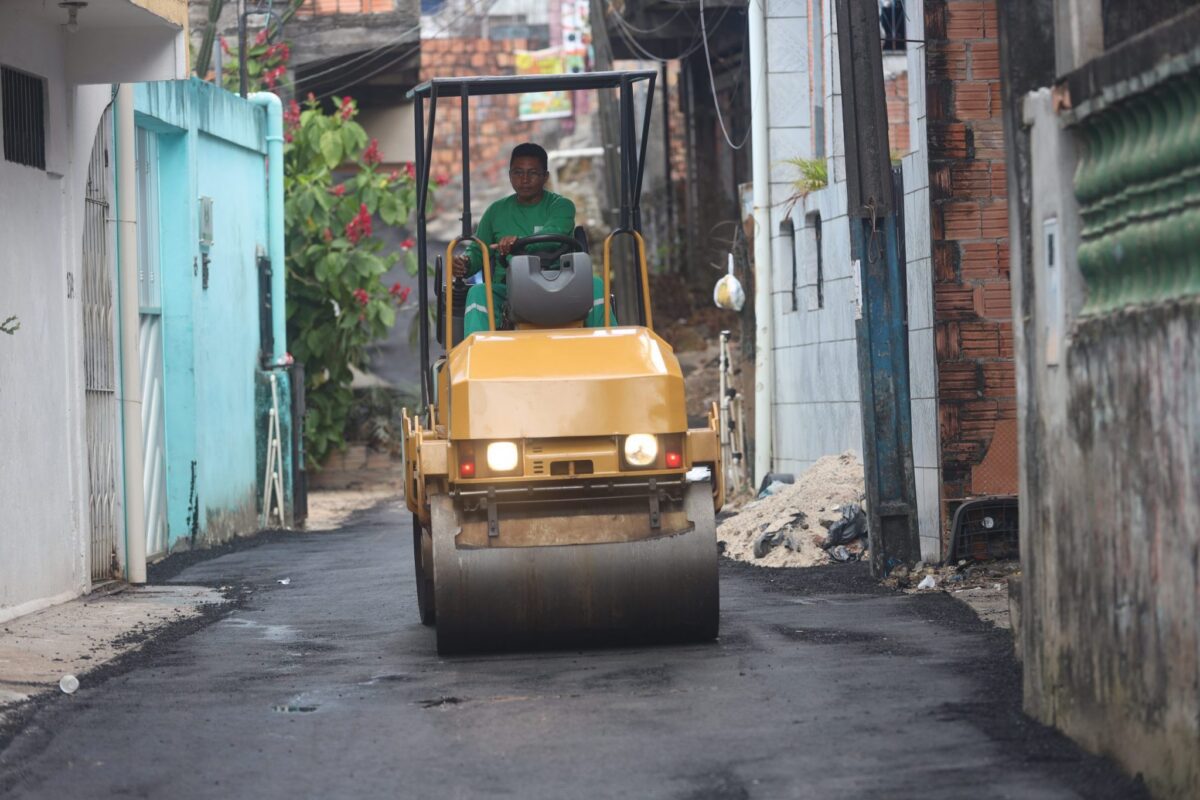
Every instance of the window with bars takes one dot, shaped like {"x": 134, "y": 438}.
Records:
{"x": 892, "y": 28}
{"x": 23, "y": 106}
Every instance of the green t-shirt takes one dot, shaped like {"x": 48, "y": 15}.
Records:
{"x": 506, "y": 217}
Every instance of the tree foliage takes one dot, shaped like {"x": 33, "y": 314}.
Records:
{"x": 337, "y": 303}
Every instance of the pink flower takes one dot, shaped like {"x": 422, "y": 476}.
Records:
{"x": 361, "y": 296}
{"x": 371, "y": 154}
{"x": 393, "y": 176}
{"x": 224, "y": 45}
{"x": 408, "y": 243}
{"x": 291, "y": 117}
{"x": 287, "y": 137}
{"x": 339, "y": 190}
{"x": 411, "y": 169}
{"x": 441, "y": 180}
{"x": 261, "y": 38}
{"x": 400, "y": 293}
{"x": 347, "y": 109}
{"x": 327, "y": 235}
{"x": 360, "y": 226}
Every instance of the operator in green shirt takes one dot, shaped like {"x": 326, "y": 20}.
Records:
{"x": 530, "y": 210}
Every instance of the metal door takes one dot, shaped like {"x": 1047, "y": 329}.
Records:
{"x": 101, "y": 422}
{"x": 150, "y": 339}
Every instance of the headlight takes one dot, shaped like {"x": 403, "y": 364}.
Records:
{"x": 502, "y": 456}
{"x": 641, "y": 449}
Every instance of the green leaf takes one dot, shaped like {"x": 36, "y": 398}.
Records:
{"x": 387, "y": 315}
{"x": 331, "y": 149}
{"x": 389, "y": 209}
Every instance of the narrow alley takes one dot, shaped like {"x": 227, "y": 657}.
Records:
{"x": 822, "y": 684}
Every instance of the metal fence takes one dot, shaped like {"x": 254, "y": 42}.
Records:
{"x": 99, "y": 359}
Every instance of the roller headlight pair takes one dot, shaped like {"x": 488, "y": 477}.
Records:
{"x": 641, "y": 449}
{"x": 502, "y": 456}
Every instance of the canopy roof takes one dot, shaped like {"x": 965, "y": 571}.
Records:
{"x": 515, "y": 84}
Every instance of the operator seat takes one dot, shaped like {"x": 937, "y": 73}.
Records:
{"x": 550, "y": 295}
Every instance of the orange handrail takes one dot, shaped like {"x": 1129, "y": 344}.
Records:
{"x": 487, "y": 281}
{"x": 645, "y": 275}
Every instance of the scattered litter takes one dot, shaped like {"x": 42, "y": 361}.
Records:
{"x": 284, "y": 581}
{"x": 850, "y": 528}
{"x": 697, "y": 474}
{"x": 844, "y": 554}
{"x": 773, "y": 482}
{"x": 69, "y": 684}
{"x": 928, "y": 582}
{"x": 787, "y": 528}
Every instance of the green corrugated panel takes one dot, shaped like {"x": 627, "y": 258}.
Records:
{"x": 1138, "y": 186}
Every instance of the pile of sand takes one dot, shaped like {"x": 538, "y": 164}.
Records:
{"x": 799, "y": 512}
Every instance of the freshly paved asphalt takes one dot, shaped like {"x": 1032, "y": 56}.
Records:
{"x": 822, "y": 686}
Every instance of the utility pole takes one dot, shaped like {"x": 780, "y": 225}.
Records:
{"x": 881, "y": 327}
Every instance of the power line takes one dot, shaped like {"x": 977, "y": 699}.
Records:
{"x": 712, "y": 84}
{"x": 441, "y": 29}
{"x": 625, "y": 30}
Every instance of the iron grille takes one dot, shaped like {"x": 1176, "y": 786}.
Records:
{"x": 892, "y": 28}
{"x": 986, "y": 528}
{"x": 23, "y": 100}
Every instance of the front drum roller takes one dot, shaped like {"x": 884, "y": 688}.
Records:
{"x": 651, "y": 590}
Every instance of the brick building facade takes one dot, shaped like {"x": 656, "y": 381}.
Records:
{"x": 494, "y": 124}
{"x": 973, "y": 326}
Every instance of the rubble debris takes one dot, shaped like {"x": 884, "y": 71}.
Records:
{"x": 983, "y": 585}
{"x": 788, "y": 528}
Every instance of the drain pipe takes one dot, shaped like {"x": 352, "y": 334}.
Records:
{"x": 764, "y": 383}
{"x": 131, "y": 363}
{"x": 275, "y": 239}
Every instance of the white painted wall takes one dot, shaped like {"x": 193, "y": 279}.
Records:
{"x": 44, "y": 526}
{"x": 817, "y": 407}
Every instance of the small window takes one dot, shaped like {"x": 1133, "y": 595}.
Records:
{"x": 787, "y": 229}
{"x": 23, "y": 101}
{"x": 815, "y": 259}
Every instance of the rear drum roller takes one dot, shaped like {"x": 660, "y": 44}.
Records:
{"x": 649, "y": 590}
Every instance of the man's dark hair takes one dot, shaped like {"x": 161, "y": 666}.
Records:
{"x": 530, "y": 150}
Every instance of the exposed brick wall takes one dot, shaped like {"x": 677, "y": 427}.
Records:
{"x": 896, "y": 90}
{"x": 494, "y": 125}
{"x": 969, "y": 213}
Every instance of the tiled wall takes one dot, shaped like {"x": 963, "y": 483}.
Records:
{"x": 817, "y": 408}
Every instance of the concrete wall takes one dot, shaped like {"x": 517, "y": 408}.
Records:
{"x": 1110, "y": 489}
{"x": 44, "y": 518}
{"x": 817, "y": 407}
{"x": 211, "y": 144}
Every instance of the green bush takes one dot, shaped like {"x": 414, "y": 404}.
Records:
{"x": 337, "y": 303}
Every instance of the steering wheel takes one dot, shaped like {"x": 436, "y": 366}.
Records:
{"x": 569, "y": 244}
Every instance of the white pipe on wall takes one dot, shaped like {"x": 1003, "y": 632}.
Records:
{"x": 764, "y": 394}
{"x": 130, "y": 392}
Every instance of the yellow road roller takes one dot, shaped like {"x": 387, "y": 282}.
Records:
{"x": 559, "y": 497}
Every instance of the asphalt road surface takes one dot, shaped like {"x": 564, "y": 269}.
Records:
{"x": 822, "y": 685}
